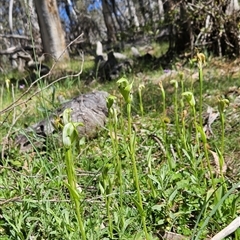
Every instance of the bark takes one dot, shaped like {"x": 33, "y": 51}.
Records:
{"x": 10, "y": 16}
{"x": 52, "y": 34}
{"x": 150, "y": 11}
{"x": 107, "y": 15}
{"x": 107, "y": 66}
{"x": 33, "y": 17}
{"x": 232, "y": 7}
{"x": 231, "y": 228}
{"x": 89, "y": 109}
{"x": 133, "y": 14}
{"x": 143, "y": 11}
{"x": 72, "y": 15}
{"x": 183, "y": 32}
{"x": 160, "y": 10}
{"x": 115, "y": 11}
{"x": 168, "y": 6}
{"x": 10, "y": 19}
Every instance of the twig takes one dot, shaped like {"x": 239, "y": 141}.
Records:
{"x": 21, "y": 174}
{"x": 14, "y": 199}
{"x": 14, "y": 36}
{"x": 232, "y": 227}
{"x": 17, "y": 103}
{"x": 19, "y": 199}
{"x": 158, "y": 140}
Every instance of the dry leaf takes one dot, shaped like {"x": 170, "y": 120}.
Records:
{"x": 217, "y": 163}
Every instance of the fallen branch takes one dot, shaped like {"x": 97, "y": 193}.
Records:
{"x": 6, "y": 201}
{"x": 232, "y": 227}
{"x": 16, "y": 36}
{"x": 16, "y": 49}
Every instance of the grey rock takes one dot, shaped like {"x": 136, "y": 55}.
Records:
{"x": 119, "y": 56}
{"x": 135, "y": 52}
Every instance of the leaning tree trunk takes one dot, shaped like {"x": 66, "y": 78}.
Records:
{"x": 232, "y": 7}
{"x": 52, "y": 34}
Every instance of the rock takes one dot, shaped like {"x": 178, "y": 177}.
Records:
{"x": 135, "y": 52}
{"x": 119, "y": 56}
{"x": 99, "y": 49}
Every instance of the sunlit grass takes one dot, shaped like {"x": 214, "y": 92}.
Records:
{"x": 150, "y": 171}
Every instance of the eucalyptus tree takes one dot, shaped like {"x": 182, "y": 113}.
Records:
{"x": 52, "y": 34}
{"x": 26, "y": 33}
{"x": 108, "y": 19}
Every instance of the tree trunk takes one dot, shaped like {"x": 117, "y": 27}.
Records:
{"x": 71, "y": 13}
{"x": 52, "y": 34}
{"x": 183, "y": 32}
{"x": 150, "y": 13}
{"x": 160, "y": 10}
{"x": 232, "y": 7}
{"x": 167, "y": 6}
{"x": 114, "y": 8}
{"x": 107, "y": 15}
{"x": 133, "y": 14}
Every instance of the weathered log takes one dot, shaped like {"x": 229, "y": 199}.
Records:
{"x": 89, "y": 109}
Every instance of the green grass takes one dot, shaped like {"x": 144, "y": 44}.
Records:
{"x": 149, "y": 171}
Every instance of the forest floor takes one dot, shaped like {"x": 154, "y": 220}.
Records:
{"x": 185, "y": 183}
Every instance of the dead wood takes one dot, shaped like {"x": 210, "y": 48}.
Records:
{"x": 89, "y": 109}
{"x": 16, "y": 49}
{"x": 232, "y": 227}
{"x": 16, "y": 36}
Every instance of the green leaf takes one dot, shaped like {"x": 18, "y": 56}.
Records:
{"x": 158, "y": 207}
{"x": 110, "y": 101}
{"x": 67, "y": 116}
{"x": 189, "y": 98}
{"x": 67, "y": 134}
{"x": 125, "y": 89}
{"x": 139, "y": 207}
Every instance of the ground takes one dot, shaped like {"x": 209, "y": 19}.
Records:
{"x": 155, "y": 166}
